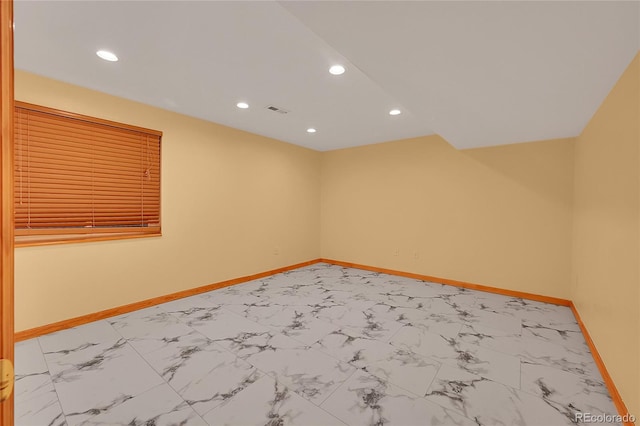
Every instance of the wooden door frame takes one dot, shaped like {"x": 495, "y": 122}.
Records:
{"x": 6, "y": 197}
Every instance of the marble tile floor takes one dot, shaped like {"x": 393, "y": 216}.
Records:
{"x": 320, "y": 345}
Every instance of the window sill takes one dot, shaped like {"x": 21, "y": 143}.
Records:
{"x": 43, "y": 240}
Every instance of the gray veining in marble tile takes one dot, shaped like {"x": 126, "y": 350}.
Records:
{"x": 475, "y": 359}
{"x": 36, "y": 401}
{"x": 498, "y": 340}
{"x": 568, "y": 393}
{"x": 310, "y": 373}
{"x": 563, "y": 357}
{"x": 400, "y": 367}
{"x": 94, "y": 370}
{"x": 365, "y": 399}
{"x": 488, "y": 402}
{"x": 157, "y": 406}
{"x": 270, "y": 403}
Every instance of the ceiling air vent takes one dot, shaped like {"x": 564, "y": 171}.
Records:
{"x": 278, "y": 110}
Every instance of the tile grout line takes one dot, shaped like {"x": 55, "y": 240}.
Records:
{"x": 265, "y": 373}
{"x": 152, "y": 368}
{"x": 306, "y": 346}
{"x": 215, "y": 343}
{"x": 55, "y": 389}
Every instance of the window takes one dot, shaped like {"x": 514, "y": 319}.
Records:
{"x": 78, "y": 177}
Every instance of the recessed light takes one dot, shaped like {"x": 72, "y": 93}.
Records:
{"x": 107, "y": 56}
{"x": 395, "y": 112}
{"x": 337, "y": 70}
{"x": 311, "y": 130}
{"x": 242, "y": 105}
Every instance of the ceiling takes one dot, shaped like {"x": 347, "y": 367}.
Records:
{"x": 477, "y": 73}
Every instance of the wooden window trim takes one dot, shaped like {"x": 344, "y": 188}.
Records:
{"x": 48, "y": 236}
{"x": 46, "y": 240}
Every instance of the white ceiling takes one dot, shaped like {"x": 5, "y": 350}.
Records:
{"x": 477, "y": 73}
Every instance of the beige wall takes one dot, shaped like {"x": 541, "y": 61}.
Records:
{"x": 228, "y": 199}
{"x": 605, "y": 286}
{"x": 496, "y": 216}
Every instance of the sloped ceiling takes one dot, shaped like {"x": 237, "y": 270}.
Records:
{"x": 477, "y": 73}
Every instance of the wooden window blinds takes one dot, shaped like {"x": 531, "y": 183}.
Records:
{"x": 80, "y": 175}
